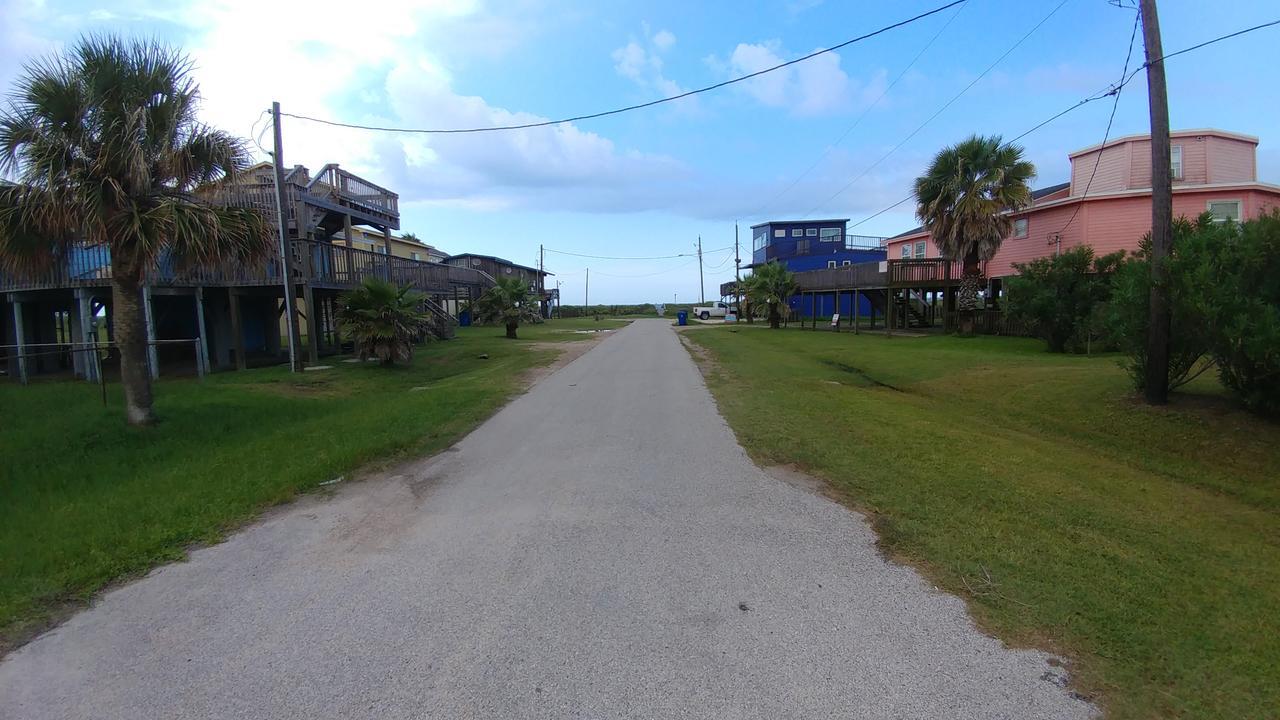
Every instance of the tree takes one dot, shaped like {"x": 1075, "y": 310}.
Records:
{"x": 963, "y": 200}
{"x": 383, "y": 320}
{"x": 1058, "y": 297}
{"x": 106, "y": 150}
{"x": 510, "y": 302}
{"x": 410, "y": 237}
{"x": 771, "y": 285}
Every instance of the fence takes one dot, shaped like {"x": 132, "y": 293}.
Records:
{"x": 990, "y": 322}
{"x": 94, "y": 354}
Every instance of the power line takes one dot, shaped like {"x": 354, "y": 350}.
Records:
{"x": 862, "y": 115}
{"x": 940, "y": 110}
{"x": 681, "y": 266}
{"x": 1124, "y": 75}
{"x": 652, "y": 257}
{"x": 629, "y": 108}
{"x": 1095, "y": 97}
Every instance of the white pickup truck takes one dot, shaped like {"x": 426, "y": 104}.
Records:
{"x": 706, "y": 312}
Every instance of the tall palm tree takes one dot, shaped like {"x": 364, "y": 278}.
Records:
{"x": 106, "y": 150}
{"x": 771, "y": 285}
{"x": 963, "y": 199}
{"x": 383, "y": 320}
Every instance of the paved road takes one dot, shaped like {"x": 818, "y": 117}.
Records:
{"x": 601, "y": 548}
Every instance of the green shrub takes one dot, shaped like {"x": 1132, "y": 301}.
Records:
{"x": 1129, "y": 309}
{"x": 1224, "y": 288}
{"x": 1062, "y": 298}
{"x": 1244, "y": 312}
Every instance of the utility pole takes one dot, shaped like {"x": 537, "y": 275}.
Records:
{"x": 542, "y": 290}
{"x": 286, "y": 253}
{"x": 586, "y": 293}
{"x": 737, "y": 278}
{"x": 702, "y": 290}
{"x": 1156, "y": 385}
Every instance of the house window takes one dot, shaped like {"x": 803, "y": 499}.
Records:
{"x": 1175, "y": 161}
{"x": 847, "y": 262}
{"x": 906, "y": 251}
{"x": 1224, "y": 210}
{"x": 831, "y": 264}
{"x": 779, "y": 233}
{"x": 920, "y": 249}
{"x": 802, "y": 247}
{"x": 797, "y": 232}
{"x": 1020, "y": 228}
{"x": 415, "y": 256}
{"x": 380, "y": 249}
{"x": 811, "y": 232}
{"x": 829, "y": 234}
{"x": 761, "y": 241}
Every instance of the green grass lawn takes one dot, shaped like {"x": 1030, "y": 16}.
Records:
{"x": 85, "y": 500}
{"x": 1143, "y": 543}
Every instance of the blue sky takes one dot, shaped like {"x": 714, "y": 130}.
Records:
{"x": 650, "y": 182}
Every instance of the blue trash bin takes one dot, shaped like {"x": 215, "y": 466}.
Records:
{"x": 464, "y": 318}
{"x": 682, "y": 317}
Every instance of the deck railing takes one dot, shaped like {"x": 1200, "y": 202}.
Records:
{"x": 925, "y": 271}
{"x": 845, "y": 277}
{"x": 355, "y": 190}
{"x": 317, "y": 262}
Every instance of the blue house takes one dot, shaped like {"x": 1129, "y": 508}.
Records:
{"x": 803, "y": 245}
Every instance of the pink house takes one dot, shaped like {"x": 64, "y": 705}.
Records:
{"x": 1214, "y": 171}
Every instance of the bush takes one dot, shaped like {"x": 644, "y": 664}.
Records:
{"x": 1062, "y": 298}
{"x": 1130, "y": 307}
{"x": 1224, "y": 287}
{"x": 1244, "y": 313}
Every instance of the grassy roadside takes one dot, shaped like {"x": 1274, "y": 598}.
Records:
{"x": 1144, "y": 543}
{"x": 85, "y": 500}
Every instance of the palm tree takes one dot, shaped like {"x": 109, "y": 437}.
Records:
{"x": 105, "y": 148}
{"x": 383, "y": 320}
{"x": 771, "y": 285}
{"x": 963, "y": 200}
{"x": 510, "y": 302}
{"x": 410, "y": 237}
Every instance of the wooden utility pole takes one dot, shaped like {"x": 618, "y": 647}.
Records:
{"x": 586, "y": 293}
{"x": 1156, "y": 386}
{"x": 702, "y": 288}
{"x": 737, "y": 277}
{"x": 286, "y": 253}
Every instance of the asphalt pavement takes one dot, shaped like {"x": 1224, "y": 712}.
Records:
{"x": 600, "y": 548}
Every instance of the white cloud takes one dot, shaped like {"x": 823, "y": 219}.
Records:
{"x": 813, "y": 87}
{"x": 641, "y": 61}
{"x": 663, "y": 40}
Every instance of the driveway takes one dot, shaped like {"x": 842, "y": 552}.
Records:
{"x": 600, "y": 548}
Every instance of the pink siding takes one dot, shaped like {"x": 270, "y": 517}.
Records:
{"x": 1042, "y": 227}
{"x": 1111, "y": 175}
{"x": 1106, "y": 223}
{"x": 1231, "y": 160}
{"x": 1139, "y": 164}
{"x": 1207, "y": 157}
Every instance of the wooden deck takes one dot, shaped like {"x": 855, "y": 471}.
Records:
{"x": 317, "y": 263}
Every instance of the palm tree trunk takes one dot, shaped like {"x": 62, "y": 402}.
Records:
{"x": 131, "y": 336}
{"x": 967, "y": 297}
{"x": 775, "y": 317}
{"x": 511, "y": 330}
